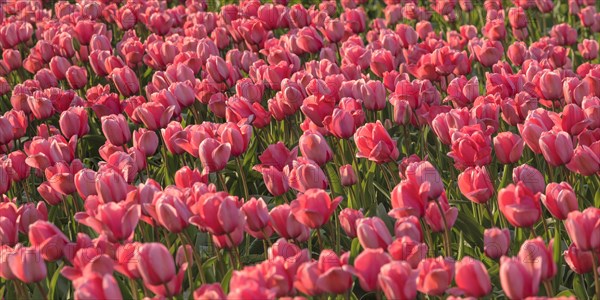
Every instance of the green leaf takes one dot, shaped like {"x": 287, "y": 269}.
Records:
{"x": 226, "y": 279}
{"x": 597, "y": 199}
{"x": 578, "y": 288}
{"x": 52, "y": 285}
{"x": 354, "y": 249}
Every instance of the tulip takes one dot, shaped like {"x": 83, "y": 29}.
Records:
{"x": 214, "y": 155}
{"x": 398, "y": 281}
{"x": 237, "y": 136}
{"x": 156, "y": 265}
{"x": 115, "y": 129}
{"x": 424, "y": 172}
{"x": 30, "y": 213}
{"x": 475, "y": 184}
{"x": 440, "y": 219}
{"x": 508, "y": 147}
{"x": 314, "y": 146}
{"x": 26, "y": 264}
{"x": 560, "y": 199}
{"x": 582, "y": 228}
{"x": 74, "y": 121}
{"x": 146, "y": 141}
{"x": 347, "y": 175}
{"x": 126, "y": 81}
{"x": 472, "y": 277}
{"x": 314, "y": 207}
{"x": 409, "y": 250}
{"x": 98, "y": 286}
{"x": 116, "y": 220}
{"x": 557, "y": 148}
{"x": 407, "y": 200}
{"x": 530, "y": 177}
{"x": 374, "y": 142}
{"x": 186, "y": 177}
{"x": 48, "y": 238}
{"x": 154, "y": 115}
{"x": 435, "y": 275}
{"x": 76, "y": 77}
{"x": 588, "y": 49}
{"x": 41, "y": 107}
{"x": 286, "y": 225}
{"x": 470, "y": 147}
{"x": 49, "y": 194}
{"x": 275, "y": 180}
{"x": 256, "y": 213}
{"x": 535, "y": 253}
{"x": 518, "y": 281}
{"x": 306, "y": 174}
{"x": 368, "y": 265}
{"x": 372, "y": 233}
{"x": 585, "y": 161}
{"x": 340, "y": 123}
{"x": 580, "y": 262}
{"x": 6, "y": 131}
{"x": 496, "y": 242}
{"x": 520, "y": 205}
{"x": 348, "y": 218}
{"x": 110, "y": 186}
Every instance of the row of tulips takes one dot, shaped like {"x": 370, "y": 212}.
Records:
{"x": 255, "y": 151}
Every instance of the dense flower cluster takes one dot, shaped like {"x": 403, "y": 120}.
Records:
{"x": 266, "y": 150}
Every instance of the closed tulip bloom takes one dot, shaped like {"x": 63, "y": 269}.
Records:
{"x": 520, "y": 205}
{"x": 530, "y": 177}
{"x": 314, "y": 207}
{"x": 374, "y": 142}
{"x": 169, "y": 210}
{"x": 440, "y": 219}
{"x": 257, "y": 214}
{"x": 146, "y": 141}
{"x": 115, "y": 220}
{"x": 126, "y": 81}
{"x": 583, "y": 227}
{"x": 314, "y": 146}
{"x": 85, "y": 182}
{"x": 408, "y": 200}
{"x": 17, "y": 168}
{"x": 536, "y": 254}
{"x": 409, "y": 250}
{"x": 275, "y": 180}
{"x": 340, "y": 123}
{"x": 472, "y": 277}
{"x": 237, "y": 136}
{"x": 41, "y": 107}
{"x": 115, "y": 129}
{"x": 488, "y": 52}
{"x": 49, "y": 194}
{"x": 475, "y": 184}
{"x": 398, "y": 281}
{"x": 187, "y": 177}
{"x": 111, "y": 186}
{"x": 518, "y": 281}
{"x": 74, "y": 121}
{"x": 6, "y": 131}
{"x": 538, "y": 121}
{"x": 26, "y": 264}
{"x": 214, "y": 155}
{"x": 60, "y": 176}
{"x": 496, "y": 242}
{"x": 347, "y": 175}
{"x": 573, "y": 119}
{"x": 48, "y": 238}
{"x": 286, "y": 225}
{"x": 548, "y": 85}
{"x": 585, "y": 161}
{"x": 76, "y": 77}
{"x": 207, "y": 291}
{"x": 588, "y": 49}
{"x": 217, "y": 68}
{"x": 424, "y": 172}
{"x": 508, "y": 147}
{"x": 368, "y": 265}
{"x": 560, "y": 199}
{"x": 435, "y": 275}
{"x": 309, "y": 40}
{"x": 581, "y": 262}
{"x": 155, "y": 263}
{"x": 372, "y": 233}
{"x": 154, "y": 115}
{"x": 557, "y": 148}
{"x": 470, "y": 147}
{"x": 348, "y": 218}
{"x": 306, "y": 174}
{"x": 218, "y": 213}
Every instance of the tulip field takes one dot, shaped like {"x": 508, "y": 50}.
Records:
{"x": 275, "y": 149}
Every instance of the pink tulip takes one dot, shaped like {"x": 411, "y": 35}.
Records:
{"x": 518, "y": 281}
{"x": 76, "y": 77}
{"x": 347, "y": 175}
{"x": 26, "y": 264}
{"x": 74, "y": 121}
{"x": 116, "y": 130}
{"x": 314, "y": 207}
{"x": 472, "y": 277}
{"x": 48, "y": 238}
{"x": 536, "y": 255}
{"x": 409, "y": 250}
{"x": 582, "y": 226}
{"x": 508, "y": 147}
{"x": 372, "y": 233}
{"x": 496, "y": 242}
{"x": 286, "y": 225}
{"x": 585, "y": 161}
{"x": 435, "y": 275}
{"x": 560, "y": 199}
{"x": 475, "y": 184}
{"x": 367, "y": 267}
{"x": 530, "y": 177}
{"x": 557, "y": 148}
{"x": 519, "y": 205}
{"x": 398, "y": 281}
{"x": 580, "y": 262}
{"x": 214, "y": 155}
{"x": 374, "y": 142}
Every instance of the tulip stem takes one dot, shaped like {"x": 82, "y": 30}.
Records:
{"x": 548, "y": 287}
{"x": 447, "y": 245}
{"x": 167, "y": 289}
{"x": 196, "y": 257}
{"x": 595, "y": 271}
{"x": 243, "y": 176}
{"x": 361, "y": 192}
{"x": 489, "y": 211}
{"x": 134, "y": 289}
{"x": 42, "y": 292}
{"x": 236, "y": 254}
{"x": 222, "y": 181}
{"x": 319, "y": 239}
{"x": 189, "y": 261}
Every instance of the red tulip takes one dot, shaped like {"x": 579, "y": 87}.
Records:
{"x": 470, "y": 147}
{"x": 496, "y": 242}
{"x": 472, "y": 277}
{"x": 580, "y": 262}
{"x": 557, "y": 148}
{"x": 408, "y": 199}
{"x": 409, "y": 250}
{"x": 520, "y": 205}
